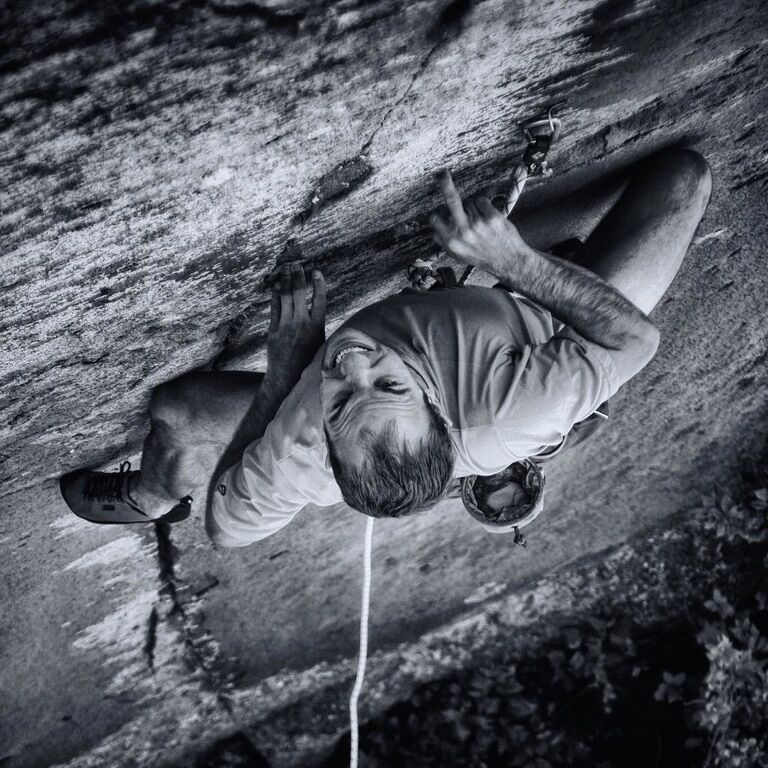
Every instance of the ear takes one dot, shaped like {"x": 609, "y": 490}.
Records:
{"x": 433, "y": 402}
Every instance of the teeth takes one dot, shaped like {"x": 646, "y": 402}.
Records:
{"x": 344, "y": 352}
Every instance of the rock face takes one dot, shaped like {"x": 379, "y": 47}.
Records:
{"x": 157, "y": 158}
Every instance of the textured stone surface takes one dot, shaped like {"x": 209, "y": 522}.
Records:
{"x": 157, "y": 159}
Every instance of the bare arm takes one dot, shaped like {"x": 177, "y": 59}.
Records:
{"x": 480, "y": 235}
{"x": 587, "y": 303}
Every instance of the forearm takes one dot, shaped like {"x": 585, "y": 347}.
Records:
{"x": 485, "y": 238}
{"x": 273, "y": 390}
{"x": 581, "y": 299}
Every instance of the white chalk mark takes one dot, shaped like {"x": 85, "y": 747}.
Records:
{"x": 125, "y": 548}
{"x": 217, "y": 178}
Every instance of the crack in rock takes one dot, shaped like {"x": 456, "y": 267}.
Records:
{"x": 449, "y": 23}
{"x": 346, "y": 176}
{"x": 754, "y": 179}
{"x": 200, "y": 648}
{"x": 151, "y": 641}
{"x": 353, "y": 171}
{"x": 339, "y": 182}
{"x": 423, "y": 64}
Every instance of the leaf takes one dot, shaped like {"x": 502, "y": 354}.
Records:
{"x": 694, "y": 742}
{"x": 572, "y": 637}
{"x": 556, "y": 658}
{"x": 725, "y": 502}
{"x": 719, "y": 604}
{"x": 577, "y": 661}
{"x": 520, "y": 708}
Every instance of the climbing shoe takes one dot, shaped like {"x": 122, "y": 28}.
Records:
{"x": 103, "y": 497}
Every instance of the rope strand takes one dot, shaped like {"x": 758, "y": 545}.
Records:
{"x": 363, "y": 653}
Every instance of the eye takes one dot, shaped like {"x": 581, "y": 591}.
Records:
{"x": 391, "y": 385}
{"x": 339, "y": 402}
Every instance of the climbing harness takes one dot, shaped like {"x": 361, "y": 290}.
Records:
{"x": 363, "y": 652}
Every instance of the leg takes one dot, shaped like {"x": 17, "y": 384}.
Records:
{"x": 639, "y": 245}
{"x": 195, "y": 419}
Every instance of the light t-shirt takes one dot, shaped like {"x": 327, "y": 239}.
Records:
{"x": 510, "y": 380}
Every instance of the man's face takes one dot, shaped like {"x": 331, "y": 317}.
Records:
{"x": 365, "y": 386}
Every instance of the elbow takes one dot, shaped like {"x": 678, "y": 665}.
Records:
{"x": 636, "y": 351}
{"x": 222, "y": 541}
{"x": 651, "y": 338}
{"x": 219, "y": 538}
{"x": 642, "y": 348}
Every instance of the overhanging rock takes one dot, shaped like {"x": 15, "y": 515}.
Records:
{"x": 158, "y": 157}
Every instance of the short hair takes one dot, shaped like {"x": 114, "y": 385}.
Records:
{"x": 394, "y": 480}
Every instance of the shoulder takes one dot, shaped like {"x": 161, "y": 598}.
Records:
{"x": 297, "y": 427}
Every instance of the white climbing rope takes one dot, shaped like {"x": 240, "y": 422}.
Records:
{"x": 363, "y": 653}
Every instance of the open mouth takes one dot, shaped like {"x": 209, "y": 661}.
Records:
{"x": 342, "y": 353}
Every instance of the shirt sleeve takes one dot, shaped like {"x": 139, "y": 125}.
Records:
{"x": 279, "y": 474}
{"x": 542, "y": 390}
{"x": 260, "y": 495}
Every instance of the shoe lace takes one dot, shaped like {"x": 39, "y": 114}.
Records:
{"x": 107, "y": 486}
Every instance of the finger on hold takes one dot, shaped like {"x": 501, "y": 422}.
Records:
{"x": 319, "y": 295}
{"x": 441, "y": 227}
{"x": 274, "y": 306}
{"x": 299, "y": 289}
{"x": 276, "y": 273}
{"x": 453, "y": 199}
{"x": 473, "y": 214}
{"x": 299, "y": 280}
{"x": 485, "y": 206}
{"x": 286, "y": 292}
{"x": 299, "y": 277}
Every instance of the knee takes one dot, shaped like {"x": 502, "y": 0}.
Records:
{"x": 691, "y": 177}
{"x": 171, "y": 405}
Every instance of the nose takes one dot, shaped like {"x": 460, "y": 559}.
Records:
{"x": 356, "y": 369}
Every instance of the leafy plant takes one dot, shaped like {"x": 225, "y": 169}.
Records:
{"x": 733, "y": 703}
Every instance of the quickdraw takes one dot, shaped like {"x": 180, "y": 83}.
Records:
{"x": 541, "y": 132}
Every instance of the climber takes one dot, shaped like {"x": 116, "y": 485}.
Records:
{"x": 421, "y": 387}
